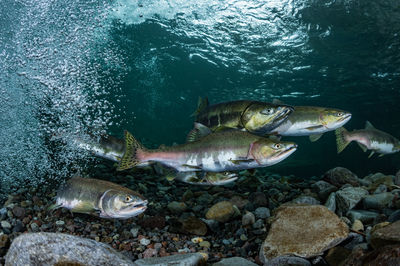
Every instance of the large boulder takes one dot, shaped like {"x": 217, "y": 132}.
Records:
{"x": 221, "y": 211}
{"x": 61, "y": 249}
{"x": 304, "y": 231}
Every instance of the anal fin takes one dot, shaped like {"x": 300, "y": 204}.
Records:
{"x": 370, "y": 155}
{"x": 315, "y": 137}
{"x": 363, "y": 147}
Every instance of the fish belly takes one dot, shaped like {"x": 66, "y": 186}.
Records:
{"x": 382, "y": 147}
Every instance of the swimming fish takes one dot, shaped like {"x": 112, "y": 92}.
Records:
{"x": 107, "y": 146}
{"x": 207, "y": 178}
{"x": 369, "y": 138}
{"x": 100, "y": 198}
{"x": 312, "y": 121}
{"x": 227, "y": 150}
{"x": 254, "y": 116}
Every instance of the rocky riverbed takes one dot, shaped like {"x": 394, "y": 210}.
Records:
{"x": 337, "y": 218}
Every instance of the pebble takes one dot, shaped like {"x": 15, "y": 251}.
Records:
{"x": 394, "y": 217}
{"x": 205, "y": 244}
{"x": 60, "y": 223}
{"x": 177, "y": 207}
{"x": 262, "y": 213}
{"x": 144, "y": 241}
{"x": 357, "y": 226}
{"x": 18, "y": 212}
{"x": 221, "y": 211}
{"x": 258, "y": 224}
{"x": 5, "y": 225}
{"x": 248, "y": 219}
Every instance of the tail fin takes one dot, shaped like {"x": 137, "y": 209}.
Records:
{"x": 201, "y": 105}
{"x": 340, "y": 139}
{"x": 129, "y": 160}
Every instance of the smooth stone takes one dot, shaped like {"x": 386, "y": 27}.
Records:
{"x": 4, "y": 240}
{"x": 258, "y": 199}
{"x": 348, "y": 198}
{"x": 385, "y": 180}
{"x": 357, "y": 226}
{"x": 315, "y": 228}
{"x": 248, "y": 219}
{"x": 380, "y": 189}
{"x": 234, "y": 261}
{"x": 394, "y": 217}
{"x": 364, "y": 216}
{"x": 337, "y": 255}
{"x": 190, "y": 259}
{"x": 387, "y": 235}
{"x": 373, "y": 177}
{"x": 324, "y": 189}
{"x": 195, "y": 226}
{"x": 258, "y": 224}
{"x": 5, "y": 225}
{"x": 262, "y": 213}
{"x": 212, "y": 224}
{"x": 18, "y": 212}
{"x": 287, "y": 261}
{"x": 205, "y": 244}
{"x": 331, "y": 202}
{"x": 378, "y": 201}
{"x": 339, "y": 176}
{"x": 144, "y": 241}
{"x": 221, "y": 211}
{"x": 177, "y": 207}
{"x": 61, "y": 249}
{"x": 306, "y": 200}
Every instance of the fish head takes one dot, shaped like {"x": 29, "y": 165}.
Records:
{"x": 122, "y": 205}
{"x": 261, "y": 117}
{"x": 268, "y": 152}
{"x": 207, "y": 178}
{"x": 334, "y": 118}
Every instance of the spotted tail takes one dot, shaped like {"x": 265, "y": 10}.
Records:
{"x": 341, "y": 141}
{"x": 130, "y": 160}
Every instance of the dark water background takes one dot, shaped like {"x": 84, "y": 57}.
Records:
{"x": 343, "y": 54}
{"x": 141, "y": 65}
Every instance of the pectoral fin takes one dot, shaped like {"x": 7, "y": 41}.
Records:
{"x": 363, "y": 147}
{"x": 237, "y": 162}
{"x": 315, "y": 137}
{"x": 192, "y": 166}
{"x": 380, "y": 155}
{"x": 370, "y": 155}
{"x": 314, "y": 127}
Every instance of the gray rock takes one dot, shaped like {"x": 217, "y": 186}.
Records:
{"x": 348, "y": 198}
{"x": 190, "y": 259}
{"x": 248, "y": 219}
{"x": 394, "y": 217}
{"x": 364, "y": 216}
{"x": 353, "y": 240}
{"x": 373, "y": 177}
{"x": 378, "y": 201}
{"x": 144, "y": 241}
{"x": 331, "y": 202}
{"x": 234, "y": 261}
{"x": 287, "y": 261}
{"x": 262, "y": 213}
{"x": 177, "y": 207}
{"x": 306, "y": 200}
{"x": 380, "y": 189}
{"x": 55, "y": 248}
{"x": 5, "y": 225}
{"x": 339, "y": 176}
{"x": 324, "y": 189}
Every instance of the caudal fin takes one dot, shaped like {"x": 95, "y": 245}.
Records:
{"x": 341, "y": 141}
{"x": 130, "y": 160}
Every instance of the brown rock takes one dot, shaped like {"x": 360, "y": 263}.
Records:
{"x": 387, "y": 255}
{"x": 303, "y": 231}
{"x": 239, "y": 201}
{"x": 337, "y": 255}
{"x": 221, "y": 212}
{"x": 4, "y": 241}
{"x": 387, "y": 235}
{"x": 385, "y": 180}
{"x": 195, "y": 226}
{"x": 339, "y": 176}
{"x": 18, "y": 212}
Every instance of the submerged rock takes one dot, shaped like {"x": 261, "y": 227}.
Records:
{"x": 337, "y": 255}
{"x": 191, "y": 259}
{"x": 394, "y": 217}
{"x": 340, "y": 176}
{"x": 331, "y": 202}
{"x": 287, "y": 261}
{"x": 61, "y": 249}
{"x": 234, "y": 261}
{"x": 324, "y": 189}
{"x": 363, "y": 216}
{"x": 306, "y": 200}
{"x": 386, "y": 235}
{"x": 316, "y": 229}
{"x": 177, "y": 207}
{"x": 195, "y": 226}
{"x": 378, "y": 201}
{"x": 221, "y": 211}
{"x": 347, "y": 198}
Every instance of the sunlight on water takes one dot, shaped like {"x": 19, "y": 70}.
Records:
{"x": 55, "y": 60}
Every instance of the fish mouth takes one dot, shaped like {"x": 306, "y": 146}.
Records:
{"x": 226, "y": 180}
{"x": 281, "y": 117}
{"x": 285, "y": 153}
{"x": 345, "y": 118}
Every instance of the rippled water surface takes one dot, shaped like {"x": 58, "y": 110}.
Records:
{"x": 96, "y": 65}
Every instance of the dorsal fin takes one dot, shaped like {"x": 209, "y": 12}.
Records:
{"x": 368, "y": 125}
{"x": 201, "y": 105}
{"x": 198, "y": 132}
{"x": 276, "y": 101}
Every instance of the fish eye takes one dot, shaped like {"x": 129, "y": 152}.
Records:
{"x": 277, "y": 146}
{"x": 340, "y": 114}
{"x": 267, "y": 111}
{"x": 128, "y": 199}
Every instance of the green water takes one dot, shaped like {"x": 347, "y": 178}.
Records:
{"x": 342, "y": 54}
